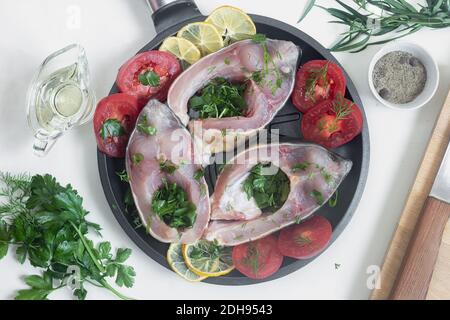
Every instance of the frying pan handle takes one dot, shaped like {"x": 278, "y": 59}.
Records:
{"x": 167, "y": 13}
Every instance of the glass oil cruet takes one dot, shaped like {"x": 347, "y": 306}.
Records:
{"x": 60, "y": 97}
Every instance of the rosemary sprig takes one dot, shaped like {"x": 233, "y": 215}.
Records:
{"x": 397, "y": 19}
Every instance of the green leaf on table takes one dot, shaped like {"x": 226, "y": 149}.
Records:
{"x": 39, "y": 282}
{"x": 3, "y": 250}
{"x": 21, "y": 253}
{"x": 80, "y": 293}
{"x": 122, "y": 255}
{"x": 104, "y": 250}
{"x": 33, "y": 294}
{"x": 125, "y": 276}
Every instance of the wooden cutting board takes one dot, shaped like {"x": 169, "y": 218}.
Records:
{"x": 440, "y": 283}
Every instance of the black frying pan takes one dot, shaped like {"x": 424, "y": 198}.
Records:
{"x": 169, "y": 17}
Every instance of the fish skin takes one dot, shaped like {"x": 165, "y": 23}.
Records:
{"x": 236, "y": 63}
{"x": 235, "y": 229}
{"x": 146, "y": 177}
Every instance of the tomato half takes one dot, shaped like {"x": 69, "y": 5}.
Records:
{"x": 258, "y": 259}
{"x": 332, "y": 123}
{"x": 305, "y": 240}
{"x": 163, "y": 66}
{"x": 317, "y": 80}
{"x": 114, "y": 120}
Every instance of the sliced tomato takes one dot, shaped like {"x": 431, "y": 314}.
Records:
{"x": 316, "y": 81}
{"x": 163, "y": 66}
{"x": 305, "y": 240}
{"x": 258, "y": 259}
{"x": 114, "y": 120}
{"x": 332, "y": 123}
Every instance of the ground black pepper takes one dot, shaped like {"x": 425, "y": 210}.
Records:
{"x": 399, "y": 77}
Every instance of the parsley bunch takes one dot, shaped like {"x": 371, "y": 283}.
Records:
{"x": 47, "y": 225}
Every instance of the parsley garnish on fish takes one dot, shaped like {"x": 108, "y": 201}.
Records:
{"x": 149, "y": 78}
{"x": 301, "y": 166}
{"x": 137, "y": 158}
{"x": 170, "y": 202}
{"x": 328, "y": 177}
{"x": 318, "y": 196}
{"x": 46, "y": 223}
{"x": 168, "y": 167}
{"x": 219, "y": 99}
{"x": 211, "y": 69}
{"x": 144, "y": 128}
{"x": 269, "y": 191}
{"x": 269, "y": 66}
{"x": 199, "y": 174}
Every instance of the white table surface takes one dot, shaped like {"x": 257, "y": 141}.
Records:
{"x": 112, "y": 31}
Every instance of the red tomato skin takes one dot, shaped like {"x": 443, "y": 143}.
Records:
{"x": 318, "y": 229}
{"x": 334, "y": 73}
{"x": 122, "y": 107}
{"x": 165, "y": 64}
{"x": 269, "y": 258}
{"x": 349, "y": 127}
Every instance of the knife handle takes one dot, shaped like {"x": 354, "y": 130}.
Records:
{"x": 418, "y": 264}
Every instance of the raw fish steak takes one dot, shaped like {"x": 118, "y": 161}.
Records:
{"x": 314, "y": 175}
{"x": 159, "y": 138}
{"x": 267, "y": 68}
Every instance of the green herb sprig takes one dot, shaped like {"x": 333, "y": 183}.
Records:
{"x": 149, "y": 78}
{"x": 168, "y": 167}
{"x": 315, "y": 76}
{"x": 219, "y": 99}
{"x": 144, "y": 128}
{"x": 269, "y": 66}
{"x": 269, "y": 191}
{"x": 398, "y": 18}
{"x": 46, "y": 223}
{"x": 171, "y": 204}
{"x": 252, "y": 258}
{"x": 111, "y": 128}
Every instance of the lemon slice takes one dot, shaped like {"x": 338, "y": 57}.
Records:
{"x": 232, "y": 23}
{"x": 208, "y": 259}
{"x": 176, "y": 262}
{"x": 181, "y": 48}
{"x": 204, "y": 35}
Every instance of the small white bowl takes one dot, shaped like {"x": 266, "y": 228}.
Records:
{"x": 429, "y": 63}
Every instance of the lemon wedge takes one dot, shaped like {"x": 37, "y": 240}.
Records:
{"x": 204, "y": 35}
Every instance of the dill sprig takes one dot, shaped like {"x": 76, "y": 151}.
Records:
{"x": 313, "y": 78}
